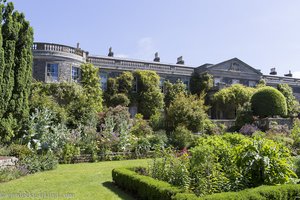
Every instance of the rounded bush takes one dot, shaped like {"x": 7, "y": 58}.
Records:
{"x": 268, "y": 101}
{"x": 119, "y": 99}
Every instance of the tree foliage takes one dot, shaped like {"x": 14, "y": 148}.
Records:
{"x": 229, "y": 99}
{"x": 201, "y": 83}
{"x": 171, "y": 90}
{"x": 91, "y": 84}
{"x": 72, "y": 99}
{"x": 119, "y": 90}
{"x": 149, "y": 98}
{"x": 188, "y": 111}
{"x": 119, "y": 99}
{"x": 16, "y": 40}
{"x": 268, "y": 101}
{"x": 293, "y": 107}
{"x": 125, "y": 82}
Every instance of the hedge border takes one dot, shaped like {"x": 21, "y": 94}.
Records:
{"x": 144, "y": 187}
{"x": 280, "y": 192}
{"x": 148, "y": 188}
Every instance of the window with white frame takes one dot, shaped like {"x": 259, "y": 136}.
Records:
{"x": 75, "y": 73}
{"x": 52, "y": 71}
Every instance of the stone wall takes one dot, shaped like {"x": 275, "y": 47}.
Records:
{"x": 8, "y": 162}
{"x": 267, "y": 123}
{"x": 263, "y": 124}
{"x": 228, "y": 123}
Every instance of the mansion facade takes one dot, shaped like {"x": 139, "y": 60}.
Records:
{"x": 56, "y": 62}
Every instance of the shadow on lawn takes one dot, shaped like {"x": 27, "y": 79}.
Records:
{"x": 112, "y": 187}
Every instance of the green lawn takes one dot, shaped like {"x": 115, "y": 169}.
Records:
{"x": 89, "y": 181}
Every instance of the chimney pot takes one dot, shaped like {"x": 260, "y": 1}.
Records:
{"x": 110, "y": 52}
{"x": 156, "y": 58}
{"x": 289, "y": 74}
{"x": 273, "y": 71}
{"x": 180, "y": 60}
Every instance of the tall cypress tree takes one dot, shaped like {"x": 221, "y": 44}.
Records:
{"x": 15, "y": 71}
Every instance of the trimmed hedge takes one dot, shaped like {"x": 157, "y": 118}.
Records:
{"x": 283, "y": 192}
{"x": 144, "y": 187}
{"x": 148, "y": 188}
{"x": 268, "y": 101}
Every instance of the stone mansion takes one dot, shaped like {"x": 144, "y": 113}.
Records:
{"x": 56, "y": 62}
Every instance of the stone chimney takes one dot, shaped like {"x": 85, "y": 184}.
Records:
{"x": 110, "y": 53}
{"x": 156, "y": 58}
{"x": 78, "y": 45}
{"x": 289, "y": 74}
{"x": 180, "y": 60}
{"x": 273, "y": 71}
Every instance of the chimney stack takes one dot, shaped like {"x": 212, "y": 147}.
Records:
{"x": 289, "y": 74}
{"x": 110, "y": 53}
{"x": 78, "y": 45}
{"x": 180, "y": 60}
{"x": 273, "y": 71}
{"x": 157, "y": 58}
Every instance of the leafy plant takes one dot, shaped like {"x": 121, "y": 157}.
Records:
{"x": 188, "y": 111}
{"x": 170, "y": 168}
{"x": 140, "y": 126}
{"x": 293, "y": 107}
{"x": 181, "y": 137}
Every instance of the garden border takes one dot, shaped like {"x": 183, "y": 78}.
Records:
{"x": 148, "y": 188}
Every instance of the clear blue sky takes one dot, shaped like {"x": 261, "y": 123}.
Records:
{"x": 262, "y": 33}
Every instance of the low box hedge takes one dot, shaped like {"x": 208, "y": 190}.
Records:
{"x": 281, "y": 192}
{"x": 144, "y": 187}
{"x": 148, "y": 188}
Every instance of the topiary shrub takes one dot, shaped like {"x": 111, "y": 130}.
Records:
{"x": 268, "y": 101}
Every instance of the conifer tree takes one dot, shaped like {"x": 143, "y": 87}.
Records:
{"x": 16, "y": 40}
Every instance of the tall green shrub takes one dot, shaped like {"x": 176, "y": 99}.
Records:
{"x": 188, "y": 111}
{"x": 91, "y": 84}
{"x": 125, "y": 82}
{"x": 268, "y": 101}
{"x": 293, "y": 107}
{"x": 149, "y": 98}
{"x": 119, "y": 90}
{"x": 16, "y": 40}
{"x": 201, "y": 83}
{"x": 172, "y": 90}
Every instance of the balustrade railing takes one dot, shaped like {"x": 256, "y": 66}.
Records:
{"x": 58, "y": 47}
{"x": 276, "y": 80}
{"x": 119, "y": 63}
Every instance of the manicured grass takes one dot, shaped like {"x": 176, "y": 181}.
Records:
{"x": 89, "y": 181}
